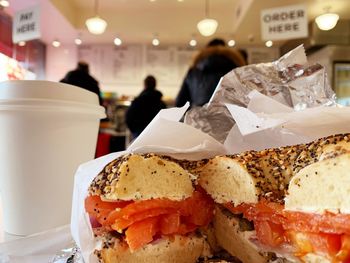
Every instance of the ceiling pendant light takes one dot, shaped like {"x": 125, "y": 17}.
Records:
{"x": 96, "y": 25}
{"x": 207, "y": 26}
{"x": 4, "y": 3}
{"x": 328, "y": 20}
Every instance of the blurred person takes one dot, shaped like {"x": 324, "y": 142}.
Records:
{"x": 144, "y": 107}
{"x": 213, "y": 62}
{"x": 81, "y": 77}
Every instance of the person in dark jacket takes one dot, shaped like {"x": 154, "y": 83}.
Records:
{"x": 81, "y": 77}
{"x": 212, "y": 63}
{"x": 144, "y": 107}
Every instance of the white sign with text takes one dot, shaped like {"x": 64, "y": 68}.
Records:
{"x": 26, "y": 25}
{"x": 286, "y": 22}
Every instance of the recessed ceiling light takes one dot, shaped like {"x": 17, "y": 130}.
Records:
{"x": 56, "y": 43}
{"x": 78, "y": 41}
{"x": 269, "y": 43}
{"x": 231, "y": 43}
{"x": 117, "y": 41}
{"x": 193, "y": 43}
{"x": 21, "y": 43}
{"x": 180, "y": 0}
{"x": 155, "y": 42}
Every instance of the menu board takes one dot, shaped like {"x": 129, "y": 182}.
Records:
{"x": 129, "y": 64}
{"x": 161, "y": 62}
{"x": 126, "y": 64}
{"x": 115, "y": 64}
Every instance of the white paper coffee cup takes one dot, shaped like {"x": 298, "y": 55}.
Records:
{"x": 47, "y": 130}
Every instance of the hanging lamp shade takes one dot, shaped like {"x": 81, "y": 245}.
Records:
{"x": 96, "y": 25}
{"x": 4, "y": 3}
{"x": 207, "y": 26}
{"x": 327, "y": 21}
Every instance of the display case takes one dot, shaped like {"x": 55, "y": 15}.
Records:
{"x": 114, "y": 126}
{"x": 11, "y": 69}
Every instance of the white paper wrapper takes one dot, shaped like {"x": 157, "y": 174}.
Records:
{"x": 163, "y": 135}
{"x": 41, "y": 247}
{"x": 267, "y": 123}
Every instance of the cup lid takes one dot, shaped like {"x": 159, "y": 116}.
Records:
{"x": 34, "y": 95}
{"x": 45, "y": 90}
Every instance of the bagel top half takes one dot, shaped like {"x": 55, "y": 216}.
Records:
{"x": 285, "y": 175}
{"x": 143, "y": 177}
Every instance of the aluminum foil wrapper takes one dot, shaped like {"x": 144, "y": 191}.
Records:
{"x": 289, "y": 80}
{"x": 70, "y": 254}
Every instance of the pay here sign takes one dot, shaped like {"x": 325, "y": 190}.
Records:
{"x": 286, "y": 22}
{"x": 26, "y": 25}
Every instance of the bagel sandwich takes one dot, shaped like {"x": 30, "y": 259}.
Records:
{"x": 147, "y": 208}
{"x": 288, "y": 204}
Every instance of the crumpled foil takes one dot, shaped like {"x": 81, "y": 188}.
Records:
{"x": 289, "y": 80}
{"x": 70, "y": 254}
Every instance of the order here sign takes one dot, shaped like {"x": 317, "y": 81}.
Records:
{"x": 26, "y": 25}
{"x": 284, "y": 23}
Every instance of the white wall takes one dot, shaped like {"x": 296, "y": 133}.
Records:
{"x": 60, "y": 60}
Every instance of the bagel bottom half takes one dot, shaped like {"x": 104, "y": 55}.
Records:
{"x": 180, "y": 249}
